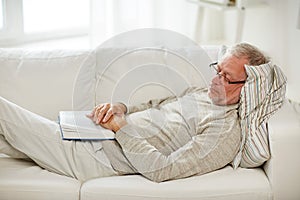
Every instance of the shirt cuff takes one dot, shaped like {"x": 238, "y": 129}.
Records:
{"x": 126, "y": 133}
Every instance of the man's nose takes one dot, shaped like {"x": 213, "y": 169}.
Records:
{"x": 216, "y": 79}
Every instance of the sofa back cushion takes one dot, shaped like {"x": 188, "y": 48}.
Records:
{"x": 137, "y": 75}
{"x": 44, "y": 81}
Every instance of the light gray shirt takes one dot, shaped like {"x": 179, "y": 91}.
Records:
{"x": 176, "y": 137}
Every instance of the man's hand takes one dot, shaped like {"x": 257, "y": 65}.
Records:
{"x": 114, "y": 123}
{"x": 110, "y": 116}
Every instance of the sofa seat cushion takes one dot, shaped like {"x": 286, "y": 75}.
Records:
{"x": 25, "y": 180}
{"x": 222, "y": 184}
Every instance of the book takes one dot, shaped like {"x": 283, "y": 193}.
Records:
{"x": 75, "y": 125}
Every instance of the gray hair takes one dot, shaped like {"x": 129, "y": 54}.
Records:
{"x": 252, "y": 53}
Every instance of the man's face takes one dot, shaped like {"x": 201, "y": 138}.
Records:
{"x": 230, "y": 69}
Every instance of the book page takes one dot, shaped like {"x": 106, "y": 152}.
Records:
{"x": 76, "y": 125}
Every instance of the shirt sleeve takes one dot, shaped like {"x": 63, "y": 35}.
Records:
{"x": 203, "y": 153}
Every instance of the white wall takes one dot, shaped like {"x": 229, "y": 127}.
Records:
{"x": 274, "y": 28}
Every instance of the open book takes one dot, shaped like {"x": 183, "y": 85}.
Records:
{"x": 75, "y": 125}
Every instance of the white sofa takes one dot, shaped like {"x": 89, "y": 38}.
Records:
{"x": 44, "y": 82}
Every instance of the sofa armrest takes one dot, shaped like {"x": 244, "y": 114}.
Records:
{"x": 283, "y": 168}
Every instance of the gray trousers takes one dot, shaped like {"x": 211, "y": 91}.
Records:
{"x": 24, "y": 134}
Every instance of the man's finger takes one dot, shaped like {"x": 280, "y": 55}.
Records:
{"x": 102, "y": 113}
{"x": 108, "y": 115}
{"x": 97, "y": 111}
{"x": 92, "y": 114}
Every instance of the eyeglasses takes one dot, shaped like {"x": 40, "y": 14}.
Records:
{"x": 215, "y": 67}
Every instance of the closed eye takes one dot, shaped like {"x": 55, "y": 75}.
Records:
{"x": 227, "y": 75}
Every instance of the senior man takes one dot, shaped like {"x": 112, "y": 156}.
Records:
{"x": 166, "y": 139}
